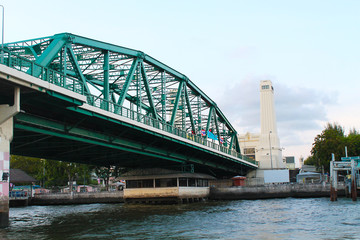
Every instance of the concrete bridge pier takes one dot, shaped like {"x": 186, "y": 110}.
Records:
{"x": 6, "y": 135}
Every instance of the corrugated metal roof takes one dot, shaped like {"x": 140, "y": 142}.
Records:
{"x": 19, "y": 176}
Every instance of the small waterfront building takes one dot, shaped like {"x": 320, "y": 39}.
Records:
{"x": 308, "y": 177}
{"x": 289, "y": 161}
{"x": 163, "y": 186}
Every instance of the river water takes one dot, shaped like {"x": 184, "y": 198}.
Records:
{"x": 288, "y": 218}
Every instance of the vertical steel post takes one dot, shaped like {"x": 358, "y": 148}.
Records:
{"x": 138, "y": 81}
{"x": 353, "y": 181}
{"x": 64, "y": 55}
{"x": 106, "y": 88}
{"x": 333, "y": 180}
{"x": 199, "y": 113}
{"x": 163, "y": 95}
{"x": 183, "y": 112}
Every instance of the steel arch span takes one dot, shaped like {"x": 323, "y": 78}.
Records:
{"x": 124, "y": 82}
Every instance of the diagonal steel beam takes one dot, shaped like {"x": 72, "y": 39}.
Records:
{"x": 176, "y": 104}
{"x": 208, "y": 121}
{"x": 217, "y": 127}
{"x": 190, "y": 111}
{"x": 77, "y": 68}
{"x": 232, "y": 141}
{"x": 237, "y": 145}
{"x": 148, "y": 92}
{"x": 128, "y": 81}
{"x": 48, "y": 55}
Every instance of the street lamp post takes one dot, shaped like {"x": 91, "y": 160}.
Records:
{"x": 270, "y": 151}
{"x": 2, "y": 39}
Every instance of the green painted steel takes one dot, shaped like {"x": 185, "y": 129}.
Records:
{"x": 48, "y": 55}
{"x": 148, "y": 92}
{"x": 217, "y": 128}
{"x": 190, "y": 112}
{"x": 47, "y": 127}
{"x": 116, "y": 79}
{"x": 77, "y": 68}
{"x": 128, "y": 81}
{"x": 106, "y": 88}
{"x": 176, "y": 103}
{"x": 208, "y": 121}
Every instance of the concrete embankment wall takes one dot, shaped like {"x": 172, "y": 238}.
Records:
{"x": 272, "y": 191}
{"x": 216, "y": 193}
{"x": 77, "y": 198}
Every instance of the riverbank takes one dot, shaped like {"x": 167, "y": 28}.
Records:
{"x": 77, "y": 198}
{"x": 273, "y": 191}
{"x": 216, "y": 193}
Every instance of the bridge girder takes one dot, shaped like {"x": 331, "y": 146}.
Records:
{"x": 124, "y": 81}
{"x": 121, "y": 74}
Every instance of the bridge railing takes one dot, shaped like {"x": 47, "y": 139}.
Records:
{"x": 36, "y": 70}
{"x": 68, "y": 82}
{"x": 101, "y": 103}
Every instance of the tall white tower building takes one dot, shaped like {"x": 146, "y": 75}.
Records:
{"x": 269, "y": 152}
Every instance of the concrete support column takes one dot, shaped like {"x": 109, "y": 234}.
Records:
{"x": 6, "y": 135}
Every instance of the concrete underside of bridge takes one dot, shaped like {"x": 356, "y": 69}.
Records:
{"x": 54, "y": 127}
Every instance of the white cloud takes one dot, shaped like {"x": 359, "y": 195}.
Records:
{"x": 300, "y": 111}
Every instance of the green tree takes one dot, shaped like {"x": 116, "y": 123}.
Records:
{"x": 51, "y": 173}
{"x": 331, "y": 140}
{"x": 107, "y": 172}
{"x": 30, "y": 165}
{"x": 352, "y": 143}
{"x": 310, "y": 161}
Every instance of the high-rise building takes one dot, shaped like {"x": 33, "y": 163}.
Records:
{"x": 266, "y": 145}
{"x": 269, "y": 151}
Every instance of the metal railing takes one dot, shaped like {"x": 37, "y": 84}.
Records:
{"x": 59, "y": 79}
{"x": 27, "y": 66}
{"x": 18, "y": 195}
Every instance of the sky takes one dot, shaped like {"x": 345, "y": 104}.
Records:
{"x": 308, "y": 49}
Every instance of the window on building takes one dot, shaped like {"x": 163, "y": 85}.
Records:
{"x": 202, "y": 183}
{"x": 265, "y": 87}
{"x": 249, "y": 151}
{"x": 290, "y": 159}
{"x": 146, "y": 183}
{"x": 166, "y": 182}
{"x": 191, "y": 182}
{"x": 183, "y": 182}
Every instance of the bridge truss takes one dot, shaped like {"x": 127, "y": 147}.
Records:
{"x": 114, "y": 76}
{"x": 126, "y": 82}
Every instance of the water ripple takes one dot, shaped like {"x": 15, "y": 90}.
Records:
{"x": 258, "y": 219}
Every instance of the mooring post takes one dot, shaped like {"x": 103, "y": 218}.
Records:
{"x": 6, "y": 134}
{"x": 333, "y": 180}
{"x": 353, "y": 181}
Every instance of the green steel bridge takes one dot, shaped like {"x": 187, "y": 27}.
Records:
{"x": 92, "y": 102}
